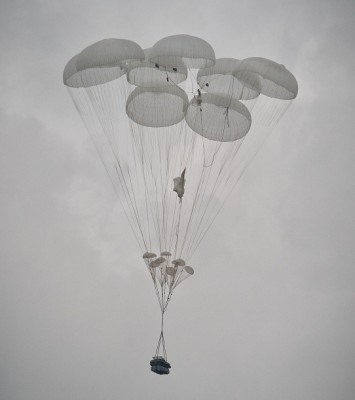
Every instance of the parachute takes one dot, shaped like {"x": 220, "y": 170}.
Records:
{"x": 175, "y": 129}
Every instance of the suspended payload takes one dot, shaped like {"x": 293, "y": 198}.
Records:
{"x": 175, "y": 129}
{"x": 160, "y": 366}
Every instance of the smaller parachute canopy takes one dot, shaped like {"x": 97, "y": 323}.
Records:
{"x": 154, "y": 264}
{"x": 189, "y": 270}
{"x": 109, "y": 53}
{"x": 170, "y": 271}
{"x": 277, "y": 81}
{"x": 195, "y": 52}
{"x": 157, "y": 107}
{"x": 165, "y": 253}
{"x": 160, "y": 260}
{"x": 178, "y": 262}
{"x": 181, "y": 274}
{"x": 218, "y": 118}
{"x": 149, "y": 255}
{"x": 148, "y": 74}
{"x": 89, "y": 77}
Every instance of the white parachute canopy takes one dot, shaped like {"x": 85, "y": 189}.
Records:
{"x": 193, "y": 51}
{"x": 148, "y": 74}
{"x": 175, "y": 129}
{"x": 157, "y": 106}
{"x": 220, "y": 79}
{"x": 109, "y": 53}
{"x": 218, "y": 118}
{"x": 277, "y": 81}
{"x": 74, "y": 78}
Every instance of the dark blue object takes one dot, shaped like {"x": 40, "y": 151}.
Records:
{"x": 160, "y": 366}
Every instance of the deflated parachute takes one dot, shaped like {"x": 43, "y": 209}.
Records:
{"x": 175, "y": 129}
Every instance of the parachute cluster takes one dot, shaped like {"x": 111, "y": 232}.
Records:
{"x": 175, "y": 128}
{"x": 166, "y": 274}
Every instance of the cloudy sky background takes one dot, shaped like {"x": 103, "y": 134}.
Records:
{"x": 269, "y": 313}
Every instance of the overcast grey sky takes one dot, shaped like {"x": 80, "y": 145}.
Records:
{"x": 269, "y": 313}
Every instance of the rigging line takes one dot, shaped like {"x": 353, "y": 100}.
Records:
{"x": 161, "y": 198}
{"x": 177, "y": 231}
{"x": 134, "y": 197}
{"x": 146, "y": 178}
{"x": 207, "y": 205}
{"x": 190, "y": 217}
{"x": 169, "y": 297}
{"x": 194, "y": 208}
{"x": 206, "y": 184}
{"x": 154, "y": 199}
{"x": 157, "y": 212}
{"x": 106, "y": 169}
{"x": 146, "y": 197}
{"x": 218, "y": 183}
{"x": 161, "y": 341}
{"x": 166, "y": 279}
{"x": 158, "y": 346}
{"x": 198, "y": 193}
{"x": 162, "y": 308}
{"x": 151, "y": 185}
{"x": 177, "y": 278}
{"x": 235, "y": 184}
{"x": 135, "y": 211}
{"x": 171, "y": 168}
{"x": 103, "y": 122}
{"x": 190, "y": 76}
{"x": 167, "y": 196}
{"x": 139, "y": 167}
{"x": 256, "y": 132}
{"x": 174, "y": 222}
{"x": 157, "y": 293}
{"x": 161, "y": 192}
{"x": 172, "y": 227}
{"x": 206, "y": 224}
{"x": 204, "y": 207}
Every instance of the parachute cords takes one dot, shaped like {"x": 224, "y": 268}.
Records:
{"x": 161, "y": 341}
